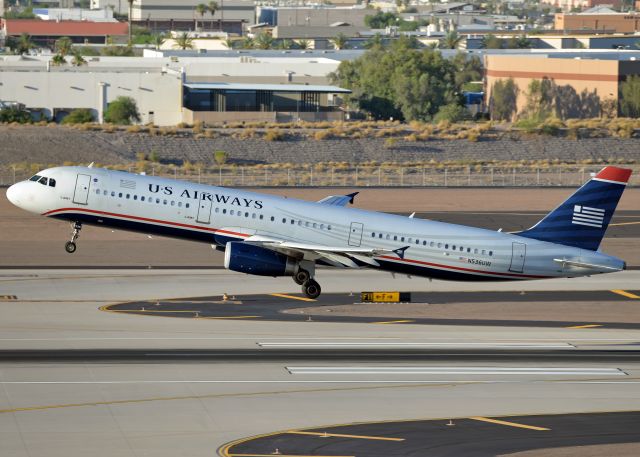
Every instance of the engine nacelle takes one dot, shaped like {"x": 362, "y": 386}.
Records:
{"x": 255, "y": 260}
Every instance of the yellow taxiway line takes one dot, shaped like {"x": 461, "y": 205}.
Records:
{"x": 585, "y": 326}
{"x": 405, "y": 321}
{"x": 339, "y": 435}
{"x": 292, "y": 297}
{"x": 624, "y": 293}
{"x": 508, "y": 424}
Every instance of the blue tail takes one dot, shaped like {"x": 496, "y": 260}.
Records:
{"x": 582, "y": 220}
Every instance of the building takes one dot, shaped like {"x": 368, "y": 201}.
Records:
{"x": 74, "y": 14}
{"x": 232, "y": 15}
{"x": 572, "y": 5}
{"x": 117, "y": 6}
{"x": 317, "y": 16}
{"x": 580, "y": 87}
{"x": 602, "y": 20}
{"x": 45, "y": 33}
{"x": 178, "y": 88}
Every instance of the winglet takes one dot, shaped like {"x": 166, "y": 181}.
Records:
{"x": 352, "y": 196}
{"x": 400, "y": 251}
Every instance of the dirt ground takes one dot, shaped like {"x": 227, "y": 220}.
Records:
{"x": 31, "y": 240}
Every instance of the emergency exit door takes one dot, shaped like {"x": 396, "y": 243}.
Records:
{"x": 81, "y": 194}
{"x": 518, "y": 254}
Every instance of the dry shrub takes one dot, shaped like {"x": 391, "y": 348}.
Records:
{"x": 323, "y": 135}
{"x": 134, "y": 129}
{"x": 198, "y": 127}
{"x": 274, "y": 135}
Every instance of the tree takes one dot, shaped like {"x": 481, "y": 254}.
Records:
{"x": 490, "y": 41}
{"x": 58, "y": 59}
{"x": 79, "y": 116}
{"x": 14, "y": 114}
{"x": 63, "y": 46}
{"x": 303, "y": 44}
{"x": 285, "y": 44}
{"x": 24, "y": 44}
{"x": 123, "y": 111}
{"x": 158, "y": 40}
{"x": 78, "y": 60}
{"x": 201, "y": 9}
{"x": 540, "y": 99}
{"x": 213, "y": 7}
{"x": 183, "y": 41}
{"x": 118, "y": 51}
{"x": 380, "y": 20}
{"x": 340, "y": 41}
{"x": 229, "y": 43}
{"x": 503, "y": 102}
{"x": 451, "y": 40}
{"x": 248, "y": 43}
{"x": 264, "y": 41}
{"x": 374, "y": 41}
{"x": 519, "y": 42}
{"x": 630, "y": 97}
{"x": 451, "y": 112}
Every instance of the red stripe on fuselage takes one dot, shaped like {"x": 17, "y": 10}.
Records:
{"x": 145, "y": 219}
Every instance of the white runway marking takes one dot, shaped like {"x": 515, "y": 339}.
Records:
{"x": 492, "y": 345}
{"x": 403, "y": 370}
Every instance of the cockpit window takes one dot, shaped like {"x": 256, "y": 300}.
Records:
{"x": 52, "y": 182}
{"x": 44, "y": 181}
{"x": 34, "y": 178}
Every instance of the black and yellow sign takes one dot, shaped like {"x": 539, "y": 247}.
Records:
{"x": 385, "y": 297}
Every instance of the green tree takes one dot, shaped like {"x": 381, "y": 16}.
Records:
{"x": 375, "y": 41}
{"x": 303, "y": 44}
{"x": 380, "y": 20}
{"x": 79, "y": 116}
{"x": 158, "y": 40}
{"x": 503, "y": 101}
{"x": 201, "y": 9}
{"x": 452, "y": 112}
{"x": 24, "y": 44}
{"x": 264, "y": 41}
{"x": 490, "y": 41}
{"x": 123, "y": 111}
{"x": 540, "y": 98}
{"x": 118, "y": 51}
{"x": 284, "y": 44}
{"x": 248, "y": 43}
{"x": 183, "y": 41}
{"x": 519, "y": 42}
{"x": 58, "y": 60}
{"x": 630, "y": 97}
{"x": 451, "y": 40}
{"x": 213, "y": 7}
{"x": 340, "y": 41}
{"x": 229, "y": 43}
{"x": 78, "y": 60}
{"x": 63, "y": 46}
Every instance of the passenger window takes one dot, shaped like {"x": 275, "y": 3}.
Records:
{"x": 142, "y": 198}
{"x": 409, "y": 240}
{"x": 292, "y": 222}
{"x": 417, "y": 241}
{"x": 113, "y": 194}
{"x": 232, "y": 212}
{"x": 468, "y": 249}
{"x": 128, "y": 196}
{"x": 446, "y": 246}
{"x": 239, "y": 213}
{"x": 120, "y": 195}
{"x": 380, "y": 235}
{"x": 97, "y": 191}
{"x": 430, "y": 244}
{"x": 402, "y": 238}
{"x": 439, "y": 245}
{"x": 187, "y": 205}
{"x": 253, "y": 215}
{"x": 395, "y": 237}
{"x": 328, "y": 227}
{"x": 164, "y": 202}
{"x": 224, "y": 210}
{"x": 424, "y": 243}
{"x": 217, "y": 209}
{"x": 484, "y": 252}
{"x": 261, "y": 217}
{"x": 373, "y": 235}
{"x": 461, "y": 249}
{"x": 306, "y": 224}
{"x": 490, "y": 253}
{"x": 475, "y": 251}
{"x": 246, "y": 214}
{"x": 173, "y": 203}
{"x": 104, "y": 193}
{"x": 321, "y": 226}
{"x": 180, "y": 206}
{"x": 315, "y": 225}
{"x": 52, "y": 182}
{"x": 453, "y": 247}
{"x": 273, "y": 218}
{"x": 135, "y": 197}
{"x": 284, "y": 221}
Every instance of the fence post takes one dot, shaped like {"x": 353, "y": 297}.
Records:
{"x": 219, "y": 175}
{"x": 469, "y": 176}
{"x": 266, "y": 177}
{"x": 153, "y": 171}
{"x": 311, "y": 175}
{"x": 538, "y": 177}
{"x": 288, "y": 176}
{"x": 446, "y": 172}
{"x": 492, "y": 176}
{"x": 356, "y": 176}
{"x": 423, "y": 181}
{"x": 175, "y": 173}
{"x": 513, "y": 180}
{"x": 14, "y": 174}
{"x": 560, "y": 177}
{"x": 332, "y": 171}
{"x": 242, "y": 175}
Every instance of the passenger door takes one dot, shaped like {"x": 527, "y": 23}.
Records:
{"x": 518, "y": 254}
{"x": 81, "y": 194}
{"x": 355, "y": 234}
{"x": 204, "y": 212}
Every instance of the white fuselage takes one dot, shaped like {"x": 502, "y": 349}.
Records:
{"x": 216, "y": 215}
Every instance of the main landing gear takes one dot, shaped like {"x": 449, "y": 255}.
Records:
{"x": 70, "y": 246}
{"x": 304, "y": 277}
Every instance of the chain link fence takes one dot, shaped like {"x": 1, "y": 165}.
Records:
{"x": 360, "y": 176}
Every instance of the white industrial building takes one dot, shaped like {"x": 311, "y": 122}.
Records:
{"x": 173, "y": 89}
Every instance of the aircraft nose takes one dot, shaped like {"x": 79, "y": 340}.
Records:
{"x": 12, "y": 194}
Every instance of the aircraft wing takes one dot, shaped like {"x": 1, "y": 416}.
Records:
{"x": 351, "y": 257}
{"x": 339, "y": 200}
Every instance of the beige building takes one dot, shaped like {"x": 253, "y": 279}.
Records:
{"x": 568, "y": 5}
{"x": 608, "y": 22}
{"x": 580, "y": 88}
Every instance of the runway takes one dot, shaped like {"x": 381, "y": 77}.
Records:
{"x": 78, "y": 380}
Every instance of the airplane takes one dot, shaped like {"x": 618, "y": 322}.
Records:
{"x": 269, "y": 235}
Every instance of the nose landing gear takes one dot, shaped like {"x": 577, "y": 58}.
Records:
{"x": 70, "y": 246}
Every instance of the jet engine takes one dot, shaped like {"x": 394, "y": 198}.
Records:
{"x": 256, "y": 260}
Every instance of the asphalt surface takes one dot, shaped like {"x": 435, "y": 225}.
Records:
{"x": 88, "y": 356}
{"x": 274, "y": 307}
{"x": 476, "y": 436}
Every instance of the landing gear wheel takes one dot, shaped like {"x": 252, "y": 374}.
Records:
{"x": 301, "y": 276}
{"x": 311, "y": 289}
{"x": 70, "y": 246}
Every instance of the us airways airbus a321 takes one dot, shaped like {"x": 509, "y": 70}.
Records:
{"x": 274, "y": 236}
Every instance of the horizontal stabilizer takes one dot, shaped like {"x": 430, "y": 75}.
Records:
{"x": 339, "y": 200}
